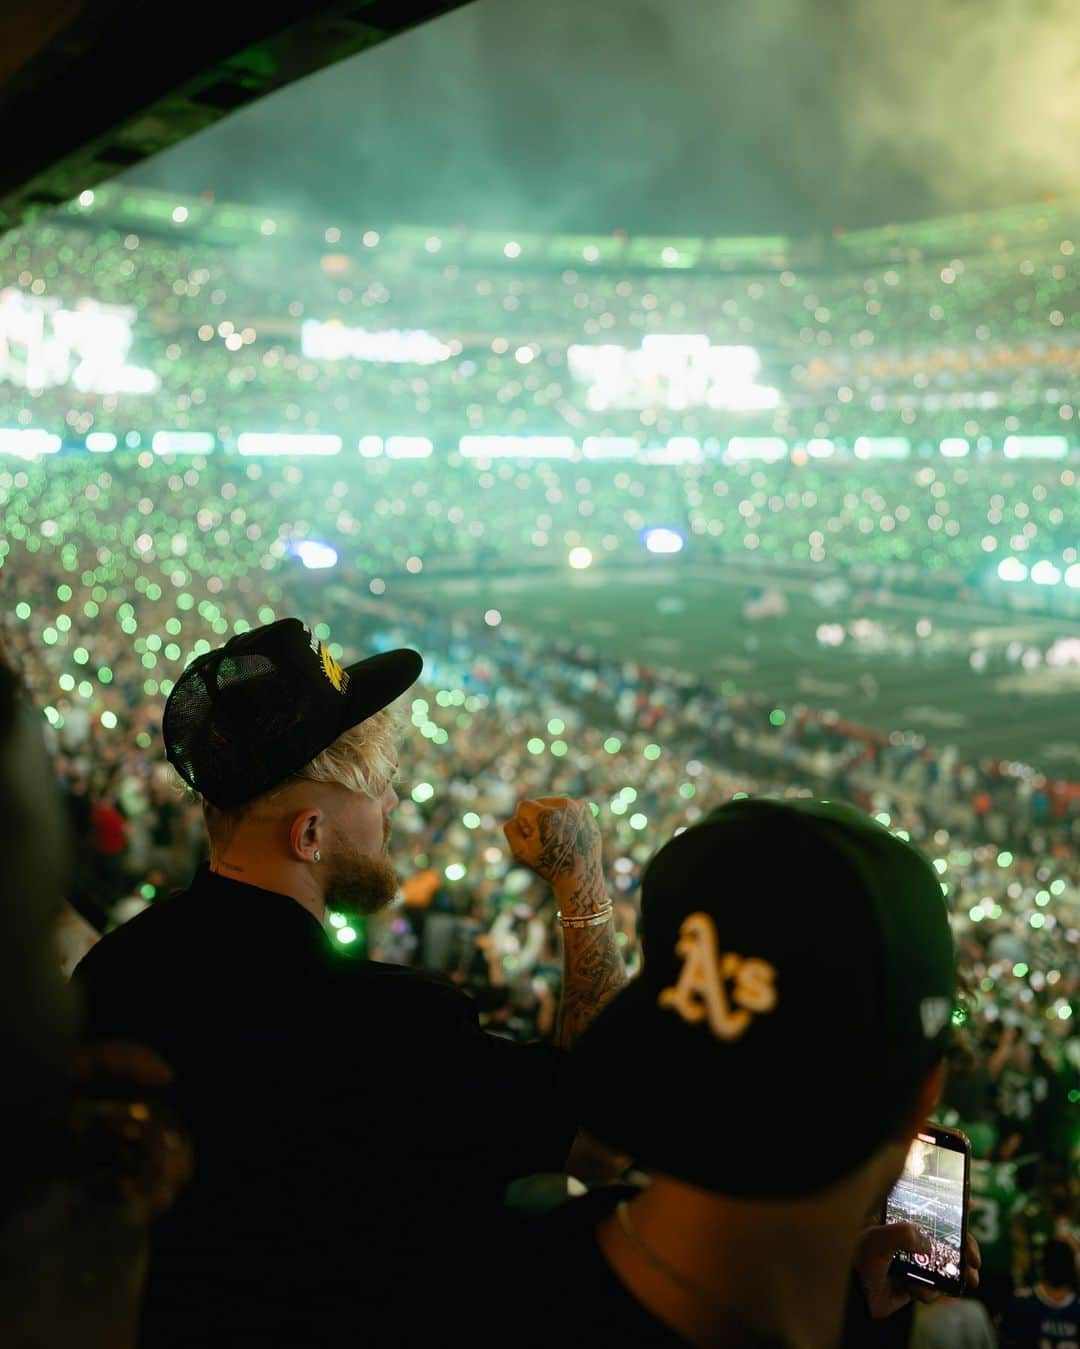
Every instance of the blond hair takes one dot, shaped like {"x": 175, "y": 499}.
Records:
{"x": 363, "y": 759}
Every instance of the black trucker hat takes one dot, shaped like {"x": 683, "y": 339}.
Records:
{"x": 798, "y": 984}
{"x": 246, "y": 715}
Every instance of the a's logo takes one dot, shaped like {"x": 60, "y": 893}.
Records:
{"x": 332, "y": 670}
{"x": 934, "y": 1012}
{"x": 702, "y": 989}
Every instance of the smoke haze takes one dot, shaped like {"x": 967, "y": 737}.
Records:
{"x": 669, "y": 116}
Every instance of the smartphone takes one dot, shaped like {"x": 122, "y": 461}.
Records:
{"x": 932, "y": 1192}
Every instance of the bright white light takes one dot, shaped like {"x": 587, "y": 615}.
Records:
{"x": 346, "y": 935}
{"x": 42, "y": 347}
{"x": 580, "y": 558}
{"x": 371, "y": 238}
{"x": 1036, "y": 447}
{"x": 678, "y": 450}
{"x": 831, "y": 634}
{"x": 516, "y": 447}
{"x": 512, "y": 250}
{"x": 770, "y": 448}
{"x": 955, "y": 447}
{"x": 662, "y": 540}
{"x": 333, "y": 341}
{"x": 455, "y": 872}
{"x": 675, "y": 371}
{"x": 268, "y": 226}
{"x": 609, "y": 447}
{"x": 1072, "y": 576}
{"x": 820, "y": 449}
{"x": 28, "y": 443}
{"x": 86, "y": 198}
{"x": 180, "y": 214}
{"x": 524, "y": 355}
{"x": 882, "y": 447}
{"x": 493, "y": 618}
{"x": 182, "y": 442}
{"x": 408, "y": 447}
{"x": 257, "y": 443}
{"x": 670, "y": 256}
{"x": 314, "y": 555}
{"x": 101, "y": 442}
{"x": 371, "y": 446}
{"x": 1044, "y": 573}
{"x": 1012, "y": 569}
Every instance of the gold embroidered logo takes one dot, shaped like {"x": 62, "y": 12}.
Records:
{"x": 332, "y": 670}
{"x": 701, "y": 991}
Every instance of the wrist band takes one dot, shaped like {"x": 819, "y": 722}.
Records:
{"x": 588, "y": 919}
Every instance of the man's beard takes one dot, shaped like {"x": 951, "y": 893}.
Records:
{"x": 356, "y": 882}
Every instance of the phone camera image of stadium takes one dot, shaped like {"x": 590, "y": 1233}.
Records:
{"x": 930, "y": 1193}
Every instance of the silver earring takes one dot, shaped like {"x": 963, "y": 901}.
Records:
{"x": 318, "y": 855}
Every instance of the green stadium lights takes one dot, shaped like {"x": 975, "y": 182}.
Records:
{"x": 346, "y": 935}
{"x": 182, "y": 442}
{"x": 955, "y": 447}
{"x": 819, "y": 448}
{"x": 1072, "y": 576}
{"x": 556, "y": 726}
{"x": 535, "y": 745}
{"x": 1035, "y": 447}
{"x": 777, "y": 716}
{"x": 256, "y": 443}
{"x": 101, "y": 442}
{"x": 471, "y": 820}
{"x": 612, "y": 744}
{"x": 1019, "y": 970}
{"x": 1057, "y": 887}
{"x": 455, "y": 871}
{"x": 337, "y": 920}
{"x": 423, "y": 791}
{"x": 882, "y": 447}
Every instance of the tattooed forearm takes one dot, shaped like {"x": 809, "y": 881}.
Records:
{"x": 593, "y": 972}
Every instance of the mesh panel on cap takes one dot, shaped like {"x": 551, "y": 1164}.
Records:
{"x": 232, "y": 746}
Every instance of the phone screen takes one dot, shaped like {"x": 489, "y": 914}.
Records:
{"x": 932, "y": 1192}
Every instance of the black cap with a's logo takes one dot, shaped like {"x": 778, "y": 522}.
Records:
{"x": 798, "y": 984}
{"x": 245, "y": 716}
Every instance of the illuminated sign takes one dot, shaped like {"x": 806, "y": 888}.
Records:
{"x": 673, "y": 372}
{"x": 392, "y": 346}
{"x": 43, "y": 346}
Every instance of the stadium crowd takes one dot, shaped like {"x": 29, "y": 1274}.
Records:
{"x": 501, "y": 716}
{"x": 120, "y": 570}
{"x": 897, "y": 339}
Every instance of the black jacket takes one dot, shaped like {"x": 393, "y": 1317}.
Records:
{"x": 353, "y": 1127}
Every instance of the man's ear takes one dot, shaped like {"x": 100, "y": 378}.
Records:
{"x": 307, "y": 834}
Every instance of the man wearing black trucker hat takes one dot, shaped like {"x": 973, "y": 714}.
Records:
{"x": 767, "y": 1071}
{"x": 353, "y": 1127}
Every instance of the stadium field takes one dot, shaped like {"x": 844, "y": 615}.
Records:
{"x": 895, "y": 674}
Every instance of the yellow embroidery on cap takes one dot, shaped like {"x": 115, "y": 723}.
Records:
{"x": 332, "y": 670}
{"x": 700, "y": 993}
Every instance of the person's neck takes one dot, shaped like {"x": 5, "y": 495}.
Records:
{"x": 268, "y": 875}
{"x": 748, "y": 1271}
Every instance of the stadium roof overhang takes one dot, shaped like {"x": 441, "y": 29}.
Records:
{"x": 88, "y": 89}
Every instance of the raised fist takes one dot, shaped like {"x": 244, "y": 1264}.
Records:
{"x": 558, "y": 839}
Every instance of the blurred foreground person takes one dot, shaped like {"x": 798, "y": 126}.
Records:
{"x": 1046, "y": 1316}
{"x": 354, "y": 1129}
{"x": 767, "y": 1071}
{"x": 83, "y": 1169}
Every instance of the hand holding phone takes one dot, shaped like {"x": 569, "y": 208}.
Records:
{"x": 932, "y": 1194}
